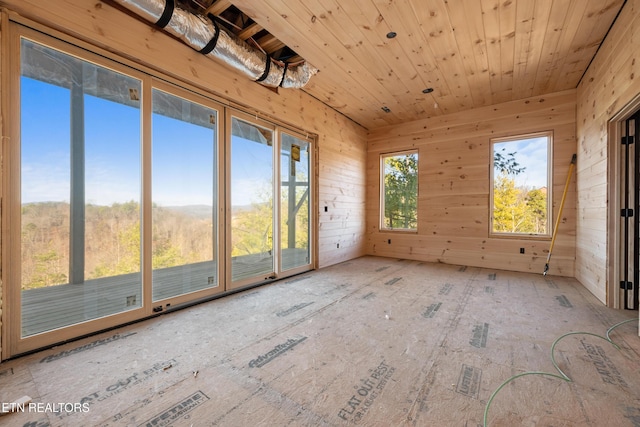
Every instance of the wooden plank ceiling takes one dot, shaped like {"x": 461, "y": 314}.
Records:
{"x": 472, "y": 53}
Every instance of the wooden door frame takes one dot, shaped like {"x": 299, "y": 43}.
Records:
{"x": 614, "y": 187}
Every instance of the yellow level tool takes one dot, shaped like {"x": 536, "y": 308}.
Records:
{"x": 555, "y": 228}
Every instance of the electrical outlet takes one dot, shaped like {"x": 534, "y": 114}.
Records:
{"x": 521, "y": 250}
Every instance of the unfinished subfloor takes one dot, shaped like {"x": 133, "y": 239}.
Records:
{"x": 372, "y": 342}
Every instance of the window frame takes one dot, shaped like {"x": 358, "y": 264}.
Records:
{"x": 382, "y": 215}
{"x": 492, "y": 176}
{"x": 13, "y": 343}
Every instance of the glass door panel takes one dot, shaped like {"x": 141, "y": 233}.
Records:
{"x": 184, "y": 194}
{"x": 80, "y": 190}
{"x": 252, "y": 194}
{"x": 294, "y": 202}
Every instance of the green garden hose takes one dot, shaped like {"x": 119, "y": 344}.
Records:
{"x": 561, "y": 375}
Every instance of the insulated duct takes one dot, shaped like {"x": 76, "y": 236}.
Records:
{"x": 210, "y": 39}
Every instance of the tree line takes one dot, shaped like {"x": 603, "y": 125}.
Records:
{"x": 113, "y": 238}
{"x": 112, "y": 241}
{"x": 516, "y": 209}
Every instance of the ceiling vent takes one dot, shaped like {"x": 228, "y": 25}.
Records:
{"x": 217, "y": 36}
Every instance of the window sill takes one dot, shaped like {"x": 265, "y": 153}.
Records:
{"x": 516, "y": 236}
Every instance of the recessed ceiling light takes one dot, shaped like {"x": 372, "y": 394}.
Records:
{"x": 427, "y": 90}
{"x": 391, "y": 34}
{"x": 386, "y": 109}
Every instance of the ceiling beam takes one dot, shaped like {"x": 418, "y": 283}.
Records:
{"x": 250, "y": 31}
{"x": 270, "y": 44}
{"x": 218, "y": 7}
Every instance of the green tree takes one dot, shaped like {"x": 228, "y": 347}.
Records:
{"x": 509, "y": 207}
{"x": 128, "y": 254}
{"x": 401, "y": 191}
{"x": 516, "y": 209}
{"x": 253, "y": 227}
{"x": 166, "y": 255}
{"x": 47, "y": 271}
{"x": 537, "y": 209}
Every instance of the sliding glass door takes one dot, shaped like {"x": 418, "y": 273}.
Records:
{"x": 184, "y": 196}
{"x": 79, "y": 190}
{"x": 127, "y": 195}
{"x": 295, "y": 190}
{"x": 269, "y": 231}
{"x": 118, "y": 196}
{"x": 251, "y": 202}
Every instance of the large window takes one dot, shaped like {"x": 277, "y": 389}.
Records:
{"x": 521, "y": 197}
{"x": 399, "y": 188}
{"x": 130, "y": 195}
{"x": 252, "y": 196}
{"x": 294, "y": 201}
{"x": 80, "y": 190}
{"x": 184, "y": 195}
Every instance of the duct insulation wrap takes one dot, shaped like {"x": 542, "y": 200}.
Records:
{"x": 197, "y": 31}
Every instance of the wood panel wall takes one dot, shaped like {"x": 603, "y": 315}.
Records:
{"x": 341, "y": 143}
{"x": 454, "y": 186}
{"x": 611, "y": 82}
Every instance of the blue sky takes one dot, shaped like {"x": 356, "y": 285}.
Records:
{"x": 182, "y": 165}
{"x": 182, "y": 154}
{"x": 531, "y": 154}
{"x": 112, "y": 150}
{"x": 45, "y": 158}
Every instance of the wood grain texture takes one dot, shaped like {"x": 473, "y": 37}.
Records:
{"x": 341, "y": 143}
{"x": 371, "y": 342}
{"x": 454, "y": 186}
{"x": 473, "y": 53}
{"x": 610, "y": 83}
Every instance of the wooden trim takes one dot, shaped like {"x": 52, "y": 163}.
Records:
{"x": 5, "y": 141}
{"x": 147, "y": 201}
{"x": 156, "y": 72}
{"x": 612, "y": 298}
{"x": 196, "y": 98}
{"x": 242, "y": 283}
{"x": 614, "y": 170}
{"x": 381, "y": 226}
{"x": 315, "y": 212}
{"x": 10, "y": 197}
{"x": 454, "y": 186}
{"x": 16, "y": 343}
{"x": 550, "y": 183}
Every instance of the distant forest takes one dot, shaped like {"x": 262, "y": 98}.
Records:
{"x": 181, "y": 235}
{"x": 112, "y": 241}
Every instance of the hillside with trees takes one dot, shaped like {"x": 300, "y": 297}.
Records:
{"x": 112, "y": 240}
{"x": 181, "y": 235}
